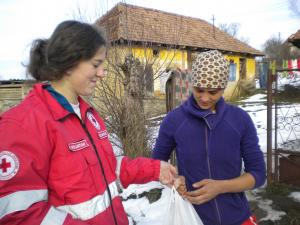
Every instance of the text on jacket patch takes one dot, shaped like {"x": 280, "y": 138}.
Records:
{"x": 79, "y": 145}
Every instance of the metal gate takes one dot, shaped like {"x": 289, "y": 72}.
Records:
{"x": 283, "y": 131}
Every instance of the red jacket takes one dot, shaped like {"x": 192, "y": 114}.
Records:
{"x": 55, "y": 169}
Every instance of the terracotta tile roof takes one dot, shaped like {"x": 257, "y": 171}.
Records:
{"x": 133, "y": 23}
{"x": 295, "y": 39}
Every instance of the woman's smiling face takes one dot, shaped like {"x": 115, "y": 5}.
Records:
{"x": 83, "y": 78}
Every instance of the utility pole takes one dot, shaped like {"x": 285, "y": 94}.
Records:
{"x": 213, "y": 19}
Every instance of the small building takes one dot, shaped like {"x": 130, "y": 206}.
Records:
{"x": 294, "y": 44}
{"x": 12, "y": 92}
{"x": 168, "y": 36}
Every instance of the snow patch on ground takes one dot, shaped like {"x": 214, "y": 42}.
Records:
{"x": 295, "y": 196}
{"x": 272, "y": 215}
{"x": 265, "y": 205}
{"x": 256, "y": 98}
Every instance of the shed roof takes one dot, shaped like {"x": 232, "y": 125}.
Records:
{"x": 295, "y": 39}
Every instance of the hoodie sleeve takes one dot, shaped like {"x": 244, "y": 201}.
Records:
{"x": 252, "y": 155}
{"x": 165, "y": 142}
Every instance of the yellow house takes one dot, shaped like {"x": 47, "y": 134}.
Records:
{"x": 167, "y": 40}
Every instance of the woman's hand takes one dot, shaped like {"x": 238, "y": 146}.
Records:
{"x": 180, "y": 185}
{"x": 167, "y": 173}
{"x": 206, "y": 190}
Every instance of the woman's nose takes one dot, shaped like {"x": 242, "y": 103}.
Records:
{"x": 100, "y": 72}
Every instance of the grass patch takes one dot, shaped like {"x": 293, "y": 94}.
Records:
{"x": 279, "y": 194}
{"x": 289, "y": 94}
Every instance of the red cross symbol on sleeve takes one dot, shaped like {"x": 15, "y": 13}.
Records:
{"x": 9, "y": 165}
{"x": 4, "y": 165}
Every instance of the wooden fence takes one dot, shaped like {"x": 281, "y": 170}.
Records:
{"x": 12, "y": 92}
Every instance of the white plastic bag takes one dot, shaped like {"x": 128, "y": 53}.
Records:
{"x": 180, "y": 211}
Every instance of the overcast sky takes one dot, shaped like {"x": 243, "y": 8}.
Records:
{"x": 22, "y": 21}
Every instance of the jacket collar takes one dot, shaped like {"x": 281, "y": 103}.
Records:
{"x": 57, "y": 110}
{"x": 211, "y": 118}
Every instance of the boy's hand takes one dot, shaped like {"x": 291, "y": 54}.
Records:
{"x": 180, "y": 185}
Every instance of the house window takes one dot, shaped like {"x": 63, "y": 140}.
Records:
{"x": 232, "y": 71}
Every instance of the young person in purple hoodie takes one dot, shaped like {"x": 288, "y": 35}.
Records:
{"x": 216, "y": 146}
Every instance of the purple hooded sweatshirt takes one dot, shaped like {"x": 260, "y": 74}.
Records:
{"x": 213, "y": 146}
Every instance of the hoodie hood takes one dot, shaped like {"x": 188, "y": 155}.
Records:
{"x": 191, "y": 107}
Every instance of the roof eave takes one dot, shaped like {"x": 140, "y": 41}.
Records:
{"x": 124, "y": 41}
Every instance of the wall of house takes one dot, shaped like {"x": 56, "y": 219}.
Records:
{"x": 232, "y": 86}
{"x": 163, "y": 58}
{"x": 159, "y": 58}
{"x": 250, "y": 66}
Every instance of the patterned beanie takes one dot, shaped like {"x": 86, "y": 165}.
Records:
{"x": 210, "y": 70}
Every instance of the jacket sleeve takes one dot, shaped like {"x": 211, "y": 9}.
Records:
{"x": 24, "y": 167}
{"x": 252, "y": 155}
{"x": 137, "y": 171}
{"x": 165, "y": 142}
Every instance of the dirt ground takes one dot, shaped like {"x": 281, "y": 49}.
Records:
{"x": 273, "y": 206}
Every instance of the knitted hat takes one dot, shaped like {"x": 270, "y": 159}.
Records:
{"x": 210, "y": 70}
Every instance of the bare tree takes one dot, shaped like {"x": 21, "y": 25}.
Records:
{"x": 233, "y": 29}
{"x": 123, "y": 94}
{"x": 275, "y": 48}
{"x": 120, "y": 98}
{"x": 88, "y": 12}
{"x": 131, "y": 70}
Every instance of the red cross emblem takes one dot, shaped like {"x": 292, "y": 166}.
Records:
{"x": 4, "y": 165}
{"x": 93, "y": 120}
{"x": 9, "y": 165}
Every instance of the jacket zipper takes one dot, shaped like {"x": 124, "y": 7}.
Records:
{"x": 102, "y": 169}
{"x": 209, "y": 170}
